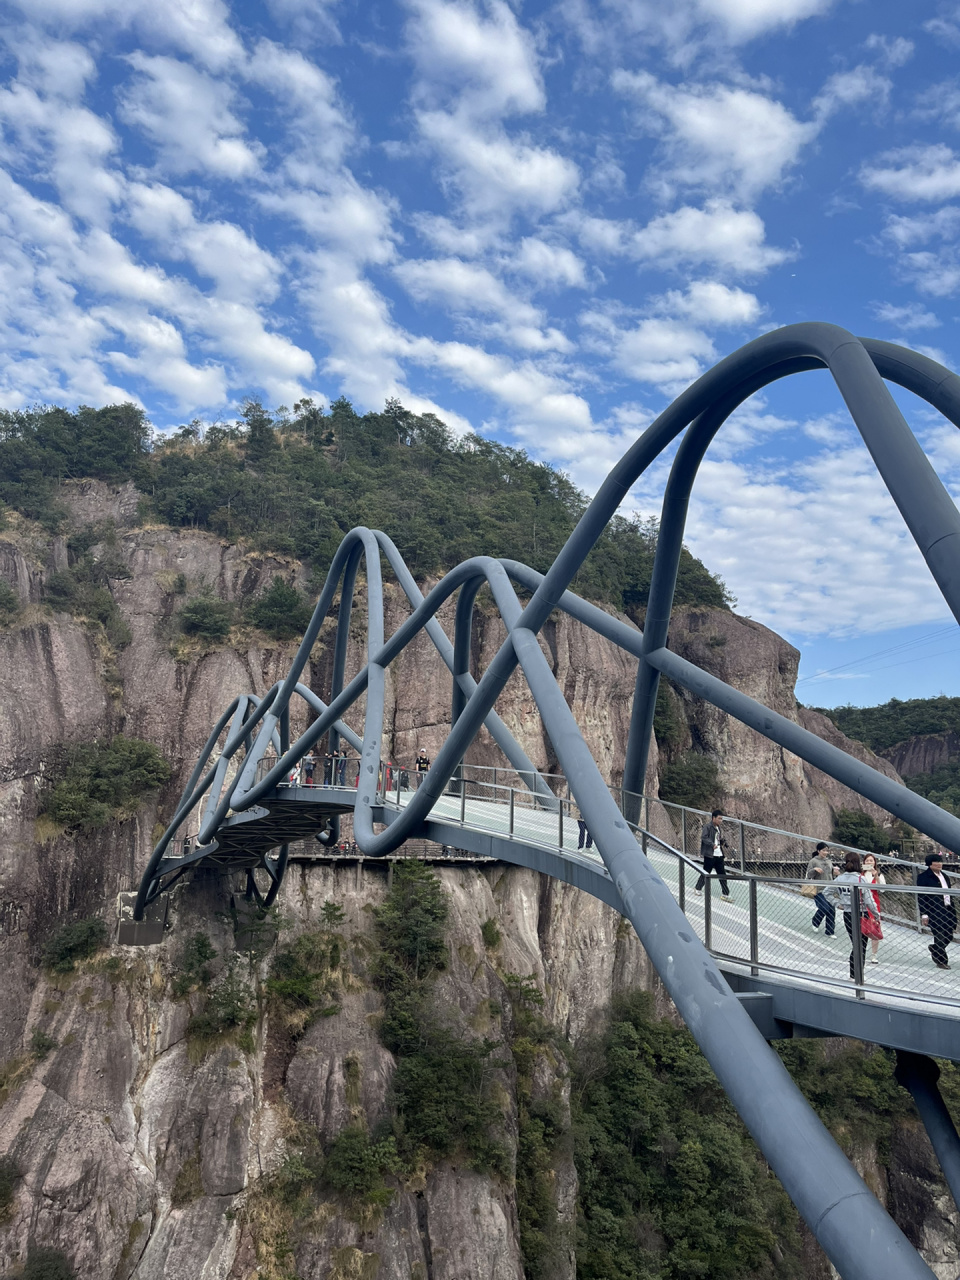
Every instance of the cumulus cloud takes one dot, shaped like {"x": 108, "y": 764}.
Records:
{"x": 488, "y": 61}
{"x": 927, "y": 249}
{"x": 915, "y": 173}
{"x": 199, "y": 28}
{"x": 711, "y": 303}
{"x": 717, "y": 137}
{"x": 494, "y": 173}
{"x": 187, "y": 116}
{"x": 475, "y": 71}
{"x": 718, "y": 234}
{"x": 550, "y": 266}
{"x": 686, "y": 27}
{"x": 667, "y": 352}
{"x": 758, "y": 526}
{"x": 912, "y": 316}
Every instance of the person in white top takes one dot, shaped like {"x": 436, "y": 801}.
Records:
{"x": 873, "y": 875}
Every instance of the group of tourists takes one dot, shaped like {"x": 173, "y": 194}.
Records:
{"x": 937, "y": 911}
{"x": 335, "y": 771}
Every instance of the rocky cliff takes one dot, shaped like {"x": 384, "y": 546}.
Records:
{"x": 141, "y": 1150}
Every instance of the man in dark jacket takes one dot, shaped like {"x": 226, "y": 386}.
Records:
{"x": 712, "y": 845}
{"x": 937, "y": 909}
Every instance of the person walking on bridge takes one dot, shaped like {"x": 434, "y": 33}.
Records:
{"x": 820, "y": 867}
{"x": 422, "y": 766}
{"x": 937, "y": 909}
{"x": 712, "y": 845}
{"x": 840, "y": 892}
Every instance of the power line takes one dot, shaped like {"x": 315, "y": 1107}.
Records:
{"x": 882, "y": 653}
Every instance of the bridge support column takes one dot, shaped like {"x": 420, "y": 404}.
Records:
{"x": 919, "y": 1074}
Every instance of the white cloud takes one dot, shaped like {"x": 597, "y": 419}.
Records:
{"x": 716, "y": 137}
{"x": 320, "y": 129}
{"x": 895, "y": 52}
{"x": 64, "y": 142}
{"x": 934, "y": 270}
{"x": 475, "y": 70}
{"x": 915, "y": 173}
{"x": 666, "y": 352}
{"x": 197, "y": 27}
{"x": 851, "y": 88}
{"x": 161, "y": 359}
{"x": 496, "y": 174}
{"x": 462, "y": 286}
{"x": 187, "y": 116}
{"x": 944, "y": 30}
{"x": 941, "y": 102}
{"x": 528, "y": 391}
{"x": 447, "y": 236}
{"x": 803, "y": 545}
{"x": 746, "y": 19}
{"x": 711, "y": 303}
{"x": 912, "y": 316}
{"x": 686, "y": 28}
{"x": 489, "y": 62}
{"x": 221, "y": 251}
{"x": 550, "y": 266}
{"x": 726, "y": 238}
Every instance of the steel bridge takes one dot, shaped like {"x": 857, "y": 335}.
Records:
{"x": 742, "y": 970}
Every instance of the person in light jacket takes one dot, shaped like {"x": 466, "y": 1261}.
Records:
{"x": 839, "y": 892}
{"x": 820, "y": 867}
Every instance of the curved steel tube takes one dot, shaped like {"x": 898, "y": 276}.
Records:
{"x": 854, "y": 1231}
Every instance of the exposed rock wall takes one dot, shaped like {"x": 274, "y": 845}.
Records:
{"x": 924, "y": 754}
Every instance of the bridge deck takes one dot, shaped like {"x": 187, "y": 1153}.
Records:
{"x": 904, "y": 1000}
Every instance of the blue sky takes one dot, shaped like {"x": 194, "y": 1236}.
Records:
{"x": 539, "y": 220}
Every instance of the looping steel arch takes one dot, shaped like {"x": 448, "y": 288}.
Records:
{"x": 846, "y": 1218}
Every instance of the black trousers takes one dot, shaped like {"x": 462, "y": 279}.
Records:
{"x": 717, "y": 865}
{"x": 848, "y": 925}
{"x": 585, "y": 838}
{"x": 942, "y": 937}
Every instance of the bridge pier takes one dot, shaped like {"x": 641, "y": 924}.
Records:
{"x": 919, "y": 1075}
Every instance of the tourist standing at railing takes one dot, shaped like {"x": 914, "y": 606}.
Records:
{"x": 422, "y": 765}
{"x": 309, "y": 764}
{"x": 328, "y": 778}
{"x": 873, "y": 875}
{"x": 937, "y": 909}
{"x": 839, "y": 891}
{"x": 712, "y": 845}
{"x": 820, "y": 867}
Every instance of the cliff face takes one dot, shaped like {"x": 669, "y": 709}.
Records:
{"x": 141, "y": 1156}
{"x": 924, "y": 753}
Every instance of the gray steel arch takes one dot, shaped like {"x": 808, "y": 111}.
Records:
{"x": 847, "y": 1220}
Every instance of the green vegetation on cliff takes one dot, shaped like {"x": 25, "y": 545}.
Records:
{"x": 103, "y": 780}
{"x": 295, "y": 483}
{"x": 671, "y": 1185}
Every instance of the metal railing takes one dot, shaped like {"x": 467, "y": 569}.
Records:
{"x": 766, "y": 924}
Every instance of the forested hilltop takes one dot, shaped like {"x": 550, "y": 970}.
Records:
{"x": 920, "y": 736}
{"x": 893, "y": 722}
{"x": 296, "y": 482}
